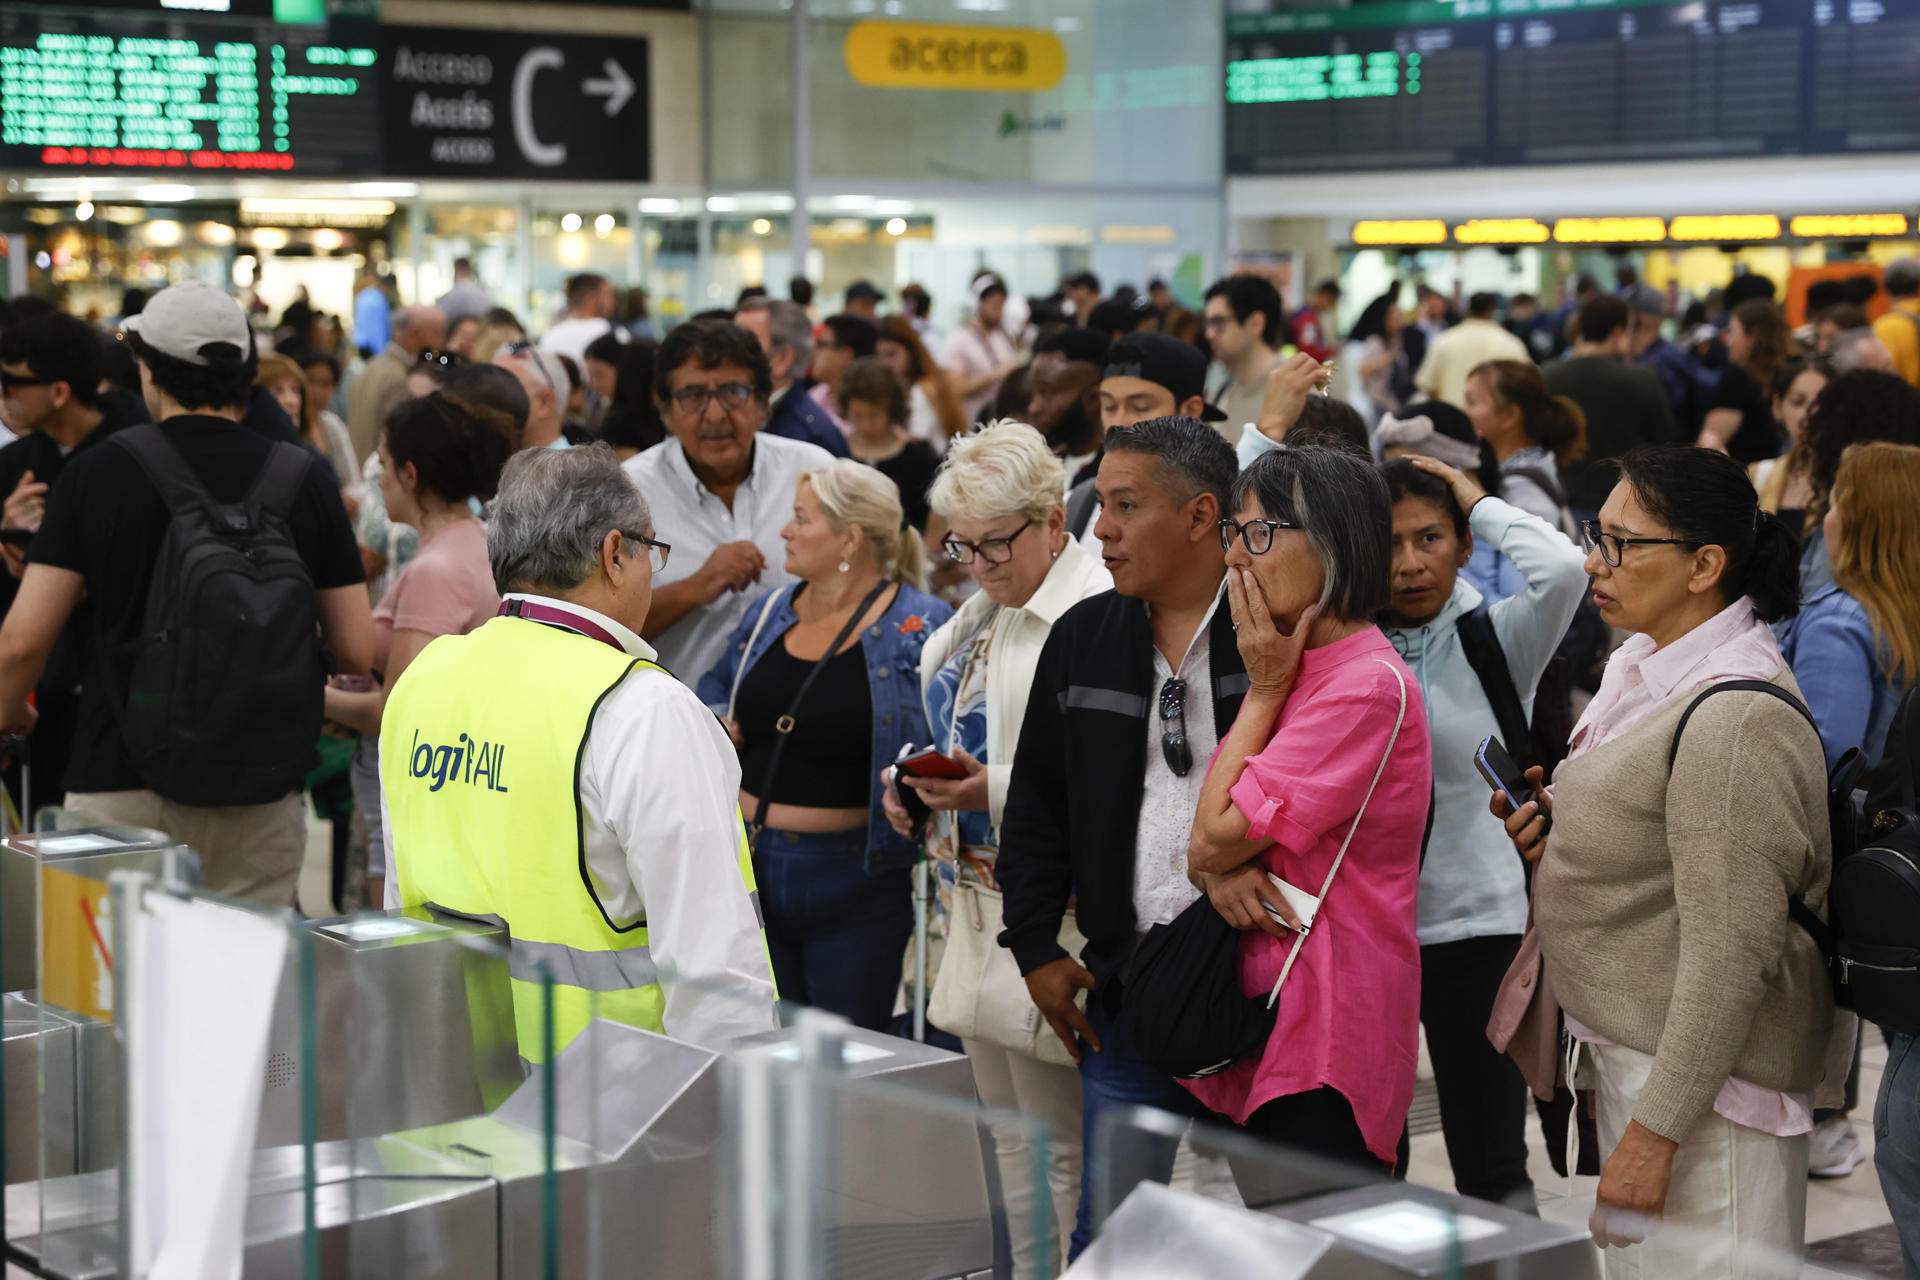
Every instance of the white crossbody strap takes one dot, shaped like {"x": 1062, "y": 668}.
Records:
{"x": 740, "y": 672}
{"x": 1300, "y": 939}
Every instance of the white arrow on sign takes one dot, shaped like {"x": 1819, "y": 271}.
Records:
{"x": 616, "y": 87}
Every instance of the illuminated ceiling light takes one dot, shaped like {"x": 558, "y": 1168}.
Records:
{"x": 1722, "y": 227}
{"x": 570, "y": 223}
{"x": 329, "y": 240}
{"x": 1609, "y": 230}
{"x": 722, "y": 204}
{"x": 269, "y": 239}
{"x": 603, "y": 225}
{"x": 162, "y": 233}
{"x": 1847, "y": 226}
{"x": 214, "y": 233}
{"x": 896, "y": 226}
{"x": 387, "y": 190}
{"x": 163, "y": 192}
{"x": 312, "y": 209}
{"x": 851, "y": 202}
{"x": 1124, "y": 233}
{"x": 1502, "y": 231}
{"x": 659, "y": 205}
{"x": 1400, "y": 231}
{"x": 761, "y": 226}
{"x": 84, "y": 211}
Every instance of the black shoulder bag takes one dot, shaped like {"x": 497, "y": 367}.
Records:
{"x": 784, "y": 726}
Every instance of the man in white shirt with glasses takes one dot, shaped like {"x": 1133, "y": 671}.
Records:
{"x": 722, "y": 485}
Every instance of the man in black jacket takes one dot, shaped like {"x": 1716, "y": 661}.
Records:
{"x": 1132, "y": 692}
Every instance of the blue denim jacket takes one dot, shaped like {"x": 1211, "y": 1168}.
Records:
{"x": 1841, "y": 669}
{"x": 891, "y": 648}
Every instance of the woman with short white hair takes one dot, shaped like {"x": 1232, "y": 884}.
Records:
{"x": 1000, "y": 493}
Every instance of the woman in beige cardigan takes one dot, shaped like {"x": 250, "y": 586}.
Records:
{"x": 1661, "y": 898}
{"x": 1000, "y": 491}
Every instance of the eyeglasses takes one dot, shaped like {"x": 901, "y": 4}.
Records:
{"x": 1210, "y": 323}
{"x": 657, "y": 552}
{"x": 1257, "y": 534}
{"x": 445, "y": 359}
{"x": 12, "y": 382}
{"x": 1173, "y": 728}
{"x": 693, "y": 400}
{"x": 992, "y": 550}
{"x": 1612, "y": 545}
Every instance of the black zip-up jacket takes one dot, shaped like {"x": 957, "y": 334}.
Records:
{"x": 1073, "y": 807}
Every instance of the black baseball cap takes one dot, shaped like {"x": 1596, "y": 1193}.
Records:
{"x": 863, "y": 290}
{"x": 1178, "y": 366}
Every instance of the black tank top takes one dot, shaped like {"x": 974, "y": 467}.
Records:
{"x": 830, "y": 754}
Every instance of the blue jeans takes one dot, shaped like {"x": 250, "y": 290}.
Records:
{"x": 838, "y": 936}
{"x": 1896, "y": 1142}
{"x": 1116, "y": 1077}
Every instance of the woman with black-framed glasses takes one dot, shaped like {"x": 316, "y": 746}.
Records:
{"x": 1700, "y": 1010}
{"x": 1323, "y": 781}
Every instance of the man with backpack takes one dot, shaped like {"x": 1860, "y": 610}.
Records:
{"x": 213, "y": 571}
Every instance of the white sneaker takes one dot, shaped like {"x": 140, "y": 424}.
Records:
{"x": 1834, "y": 1151}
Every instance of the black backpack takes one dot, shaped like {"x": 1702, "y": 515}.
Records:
{"x": 223, "y": 698}
{"x": 1871, "y": 937}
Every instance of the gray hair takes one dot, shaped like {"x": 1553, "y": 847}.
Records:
{"x": 792, "y": 330}
{"x": 554, "y": 509}
{"x": 1002, "y": 470}
{"x": 407, "y": 317}
{"x": 1348, "y": 520}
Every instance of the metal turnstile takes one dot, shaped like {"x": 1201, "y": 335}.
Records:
{"x": 1382, "y": 1231}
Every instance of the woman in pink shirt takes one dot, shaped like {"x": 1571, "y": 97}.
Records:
{"x": 1330, "y": 750}
{"x": 438, "y": 455}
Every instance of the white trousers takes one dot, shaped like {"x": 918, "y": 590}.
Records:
{"x": 1050, "y": 1095}
{"x": 1737, "y": 1199}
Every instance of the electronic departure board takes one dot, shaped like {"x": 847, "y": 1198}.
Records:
{"x": 1419, "y": 83}
{"x": 77, "y": 94}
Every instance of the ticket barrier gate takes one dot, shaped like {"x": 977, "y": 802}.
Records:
{"x": 1381, "y": 1231}
{"x": 432, "y": 1140}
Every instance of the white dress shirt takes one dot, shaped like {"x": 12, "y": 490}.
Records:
{"x": 1168, "y": 802}
{"x": 696, "y": 523}
{"x": 659, "y": 798}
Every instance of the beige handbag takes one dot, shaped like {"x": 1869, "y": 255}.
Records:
{"x": 979, "y": 993}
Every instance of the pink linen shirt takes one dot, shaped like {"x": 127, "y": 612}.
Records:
{"x": 1639, "y": 680}
{"x": 1349, "y": 1014}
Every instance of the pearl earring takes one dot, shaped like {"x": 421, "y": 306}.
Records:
{"x": 845, "y": 567}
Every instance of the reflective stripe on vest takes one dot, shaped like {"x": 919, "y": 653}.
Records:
{"x": 482, "y": 739}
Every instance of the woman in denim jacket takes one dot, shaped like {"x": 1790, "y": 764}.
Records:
{"x": 834, "y": 878}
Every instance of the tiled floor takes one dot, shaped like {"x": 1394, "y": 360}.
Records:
{"x": 1836, "y": 1207}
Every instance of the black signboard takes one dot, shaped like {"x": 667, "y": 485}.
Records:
{"x": 484, "y": 104}
{"x": 83, "y": 94}
{"x": 1408, "y": 83}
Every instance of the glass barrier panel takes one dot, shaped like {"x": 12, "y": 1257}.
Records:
{"x": 433, "y": 1134}
{"x": 63, "y": 1083}
{"x": 858, "y": 1154}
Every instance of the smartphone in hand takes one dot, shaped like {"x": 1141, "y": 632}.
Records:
{"x": 1502, "y": 773}
{"x": 932, "y": 764}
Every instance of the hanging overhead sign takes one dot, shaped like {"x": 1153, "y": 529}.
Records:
{"x": 514, "y": 104}
{"x": 927, "y": 55}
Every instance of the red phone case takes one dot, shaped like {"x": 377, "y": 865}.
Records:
{"x": 932, "y": 764}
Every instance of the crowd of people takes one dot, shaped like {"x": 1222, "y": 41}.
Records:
{"x": 1134, "y": 620}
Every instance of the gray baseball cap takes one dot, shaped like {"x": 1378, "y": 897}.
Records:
{"x": 194, "y": 322}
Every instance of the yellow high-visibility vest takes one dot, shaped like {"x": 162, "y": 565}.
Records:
{"x": 480, "y": 748}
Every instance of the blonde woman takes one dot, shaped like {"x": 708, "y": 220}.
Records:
{"x": 999, "y": 491}
{"x": 319, "y": 428}
{"x": 1855, "y": 645}
{"x": 818, "y": 686}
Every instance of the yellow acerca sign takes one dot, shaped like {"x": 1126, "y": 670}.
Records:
{"x": 925, "y": 55}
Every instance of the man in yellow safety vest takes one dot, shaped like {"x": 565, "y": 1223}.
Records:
{"x": 544, "y": 771}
